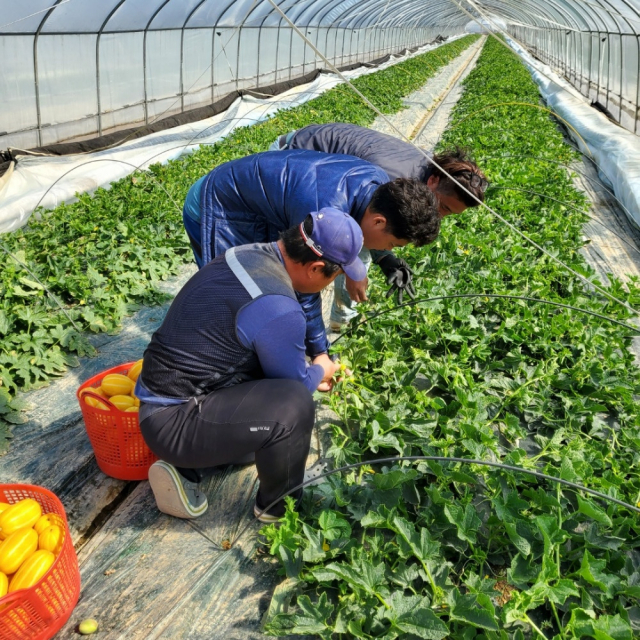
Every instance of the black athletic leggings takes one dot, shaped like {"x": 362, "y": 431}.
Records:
{"x": 272, "y": 419}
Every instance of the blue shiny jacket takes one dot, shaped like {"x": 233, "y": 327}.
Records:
{"x": 254, "y": 198}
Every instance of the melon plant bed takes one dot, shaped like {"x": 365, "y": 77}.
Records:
{"x": 104, "y": 255}
{"x": 444, "y": 550}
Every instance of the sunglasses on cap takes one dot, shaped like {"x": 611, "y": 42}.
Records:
{"x": 475, "y": 180}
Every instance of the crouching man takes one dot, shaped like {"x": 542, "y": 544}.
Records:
{"x": 224, "y": 379}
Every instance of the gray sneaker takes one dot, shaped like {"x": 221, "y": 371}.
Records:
{"x": 174, "y": 494}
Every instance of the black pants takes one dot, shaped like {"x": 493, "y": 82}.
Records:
{"x": 272, "y": 419}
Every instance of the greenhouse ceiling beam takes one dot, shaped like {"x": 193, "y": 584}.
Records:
{"x": 549, "y": 7}
{"x": 614, "y": 14}
{"x": 536, "y": 19}
{"x": 347, "y": 18}
{"x": 596, "y": 19}
{"x": 364, "y": 9}
{"x": 383, "y": 17}
{"x": 527, "y": 18}
{"x": 436, "y": 15}
{"x": 410, "y": 18}
{"x": 399, "y": 10}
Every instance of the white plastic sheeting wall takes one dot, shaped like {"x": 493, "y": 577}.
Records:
{"x": 83, "y": 67}
{"x": 615, "y": 152}
{"x": 74, "y": 68}
{"x": 50, "y": 180}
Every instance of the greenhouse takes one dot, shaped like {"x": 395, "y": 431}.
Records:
{"x": 319, "y": 319}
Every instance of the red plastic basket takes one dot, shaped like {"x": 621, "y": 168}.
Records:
{"x": 115, "y": 435}
{"x": 39, "y": 612}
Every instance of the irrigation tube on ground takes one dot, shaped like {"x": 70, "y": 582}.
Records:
{"x": 505, "y": 296}
{"x": 444, "y": 172}
{"x": 616, "y": 151}
{"x": 34, "y": 175}
{"x": 485, "y": 463}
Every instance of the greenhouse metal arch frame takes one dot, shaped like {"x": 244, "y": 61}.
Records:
{"x": 131, "y": 69}
{"x": 596, "y": 48}
{"x": 75, "y": 68}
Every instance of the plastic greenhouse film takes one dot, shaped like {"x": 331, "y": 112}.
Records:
{"x": 616, "y": 151}
{"x": 48, "y": 181}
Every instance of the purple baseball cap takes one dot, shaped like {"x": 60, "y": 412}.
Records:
{"x": 337, "y": 237}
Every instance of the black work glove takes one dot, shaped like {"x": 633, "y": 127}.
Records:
{"x": 399, "y": 275}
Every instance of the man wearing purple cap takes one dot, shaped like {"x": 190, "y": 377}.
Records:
{"x": 224, "y": 379}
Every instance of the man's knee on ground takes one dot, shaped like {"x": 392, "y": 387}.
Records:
{"x": 298, "y": 405}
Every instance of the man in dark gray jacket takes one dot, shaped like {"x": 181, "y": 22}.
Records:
{"x": 398, "y": 159}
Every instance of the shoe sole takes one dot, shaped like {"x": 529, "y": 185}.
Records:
{"x": 265, "y": 517}
{"x": 169, "y": 493}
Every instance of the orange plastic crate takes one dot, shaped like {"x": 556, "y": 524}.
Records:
{"x": 115, "y": 435}
{"x": 39, "y": 612}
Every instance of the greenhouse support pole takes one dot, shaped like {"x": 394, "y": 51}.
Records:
{"x": 621, "y": 74}
{"x": 258, "y": 58}
{"x": 290, "y": 32}
{"x": 635, "y": 128}
{"x": 181, "y": 83}
{"x": 590, "y": 66}
{"x": 600, "y": 63}
{"x": 35, "y": 69}
{"x": 608, "y": 69}
{"x": 304, "y": 55}
{"x": 144, "y": 60}
{"x": 98, "y": 84}
{"x": 213, "y": 49}
{"x": 238, "y": 56}
{"x": 215, "y": 33}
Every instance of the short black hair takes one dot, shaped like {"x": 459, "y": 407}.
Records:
{"x": 298, "y": 250}
{"x": 411, "y": 210}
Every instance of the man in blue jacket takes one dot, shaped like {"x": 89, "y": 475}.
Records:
{"x": 224, "y": 379}
{"x": 399, "y": 159}
{"x": 254, "y": 198}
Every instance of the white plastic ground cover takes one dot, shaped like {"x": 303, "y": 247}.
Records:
{"x": 48, "y": 181}
{"x": 615, "y": 150}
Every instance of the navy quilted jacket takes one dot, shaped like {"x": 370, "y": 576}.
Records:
{"x": 253, "y": 199}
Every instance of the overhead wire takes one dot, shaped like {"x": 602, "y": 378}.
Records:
{"x": 412, "y": 303}
{"x": 570, "y": 206}
{"x": 513, "y": 228}
{"x": 468, "y": 461}
{"x": 582, "y": 173}
{"x": 8, "y": 24}
{"x": 224, "y": 123}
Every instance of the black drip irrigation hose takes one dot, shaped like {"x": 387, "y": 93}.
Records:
{"x": 486, "y": 463}
{"x": 572, "y": 207}
{"x": 412, "y": 303}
